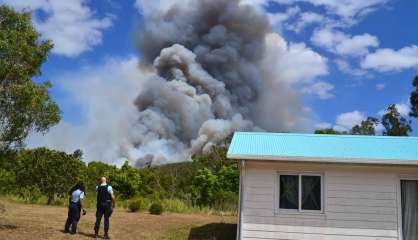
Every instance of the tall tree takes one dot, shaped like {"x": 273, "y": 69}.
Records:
{"x": 25, "y": 106}
{"x": 366, "y": 127}
{"x": 52, "y": 171}
{"x": 394, "y": 123}
{"x": 413, "y": 99}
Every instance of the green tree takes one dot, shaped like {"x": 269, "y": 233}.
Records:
{"x": 78, "y": 154}
{"x": 229, "y": 178}
{"x": 327, "y": 131}
{"x": 25, "y": 106}
{"x": 366, "y": 127}
{"x": 214, "y": 159}
{"x": 52, "y": 171}
{"x": 413, "y": 99}
{"x": 96, "y": 170}
{"x": 126, "y": 182}
{"x": 394, "y": 123}
{"x": 205, "y": 186}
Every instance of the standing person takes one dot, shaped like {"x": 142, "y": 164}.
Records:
{"x": 76, "y": 204}
{"x": 105, "y": 206}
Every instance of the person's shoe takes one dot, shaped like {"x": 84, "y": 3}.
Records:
{"x": 96, "y": 236}
{"x": 106, "y": 236}
{"x": 66, "y": 231}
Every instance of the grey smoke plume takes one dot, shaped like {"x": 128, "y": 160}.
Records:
{"x": 213, "y": 74}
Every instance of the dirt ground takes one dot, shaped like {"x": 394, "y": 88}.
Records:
{"x": 21, "y": 221}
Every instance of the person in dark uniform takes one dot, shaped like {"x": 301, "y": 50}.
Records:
{"x": 104, "y": 207}
{"x": 75, "y": 206}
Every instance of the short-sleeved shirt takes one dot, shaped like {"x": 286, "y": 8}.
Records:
{"x": 109, "y": 188}
{"x": 77, "y": 195}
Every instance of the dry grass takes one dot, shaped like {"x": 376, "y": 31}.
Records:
{"x": 21, "y": 221}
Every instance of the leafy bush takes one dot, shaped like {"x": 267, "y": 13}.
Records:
{"x": 137, "y": 204}
{"x": 205, "y": 185}
{"x": 30, "y": 194}
{"x": 58, "y": 202}
{"x": 156, "y": 208}
{"x": 7, "y": 181}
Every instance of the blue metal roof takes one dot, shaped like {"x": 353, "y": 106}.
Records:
{"x": 325, "y": 148}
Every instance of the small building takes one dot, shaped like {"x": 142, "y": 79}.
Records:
{"x": 334, "y": 187}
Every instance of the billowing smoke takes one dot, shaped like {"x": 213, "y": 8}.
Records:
{"x": 207, "y": 68}
{"x": 213, "y": 73}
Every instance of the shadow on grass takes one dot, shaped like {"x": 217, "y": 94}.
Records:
{"x": 214, "y": 231}
{"x": 89, "y": 235}
{"x": 4, "y": 225}
{"x": 7, "y": 226}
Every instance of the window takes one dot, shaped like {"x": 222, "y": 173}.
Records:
{"x": 302, "y": 192}
{"x": 289, "y": 194}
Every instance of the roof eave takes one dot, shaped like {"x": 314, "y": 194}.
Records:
{"x": 324, "y": 160}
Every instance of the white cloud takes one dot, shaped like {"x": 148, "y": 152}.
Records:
{"x": 105, "y": 94}
{"x": 385, "y": 60}
{"x": 276, "y": 19}
{"x": 380, "y": 86}
{"x": 295, "y": 61}
{"x": 346, "y": 9}
{"x": 403, "y": 109}
{"x": 71, "y": 25}
{"x": 357, "y": 45}
{"x": 148, "y": 6}
{"x": 322, "y": 89}
{"x": 345, "y": 121}
{"x": 298, "y": 65}
{"x": 345, "y": 67}
{"x": 306, "y": 19}
{"x": 343, "y": 44}
{"x": 338, "y": 13}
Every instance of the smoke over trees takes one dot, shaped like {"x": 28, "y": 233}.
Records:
{"x": 213, "y": 74}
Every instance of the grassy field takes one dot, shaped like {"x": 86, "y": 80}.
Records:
{"x": 24, "y": 221}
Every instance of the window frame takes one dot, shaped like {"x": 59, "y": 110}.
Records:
{"x": 299, "y": 210}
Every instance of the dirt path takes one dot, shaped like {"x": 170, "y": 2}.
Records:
{"x": 42, "y": 222}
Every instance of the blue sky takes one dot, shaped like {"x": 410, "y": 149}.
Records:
{"x": 349, "y": 58}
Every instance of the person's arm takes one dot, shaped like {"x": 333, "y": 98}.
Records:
{"x": 82, "y": 203}
{"x": 110, "y": 190}
{"x": 113, "y": 200}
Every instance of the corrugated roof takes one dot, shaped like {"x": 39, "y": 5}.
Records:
{"x": 324, "y": 148}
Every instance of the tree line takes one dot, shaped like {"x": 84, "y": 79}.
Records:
{"x": 209, "y": 180}
{"x": 393, "y": 123}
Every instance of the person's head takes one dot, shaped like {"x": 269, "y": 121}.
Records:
{"x": 79, "y": 185}
{"x": 103, "y": 180}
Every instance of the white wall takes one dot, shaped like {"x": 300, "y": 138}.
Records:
{"x": 360, "y": 203}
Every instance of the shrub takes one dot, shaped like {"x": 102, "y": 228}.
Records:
{"x": 30, "y": 194}
{"x": 156, "y": 208}
{"x": 136, "y": 205}
{"x": 7, "y": 180}
{"x": 58, "y": 202}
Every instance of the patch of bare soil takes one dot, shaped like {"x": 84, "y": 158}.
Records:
{"x": 20, "y": 221}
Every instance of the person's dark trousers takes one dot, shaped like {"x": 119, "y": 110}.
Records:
{"x": 103, "y": 211}
{"x": 73, "y": 218}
